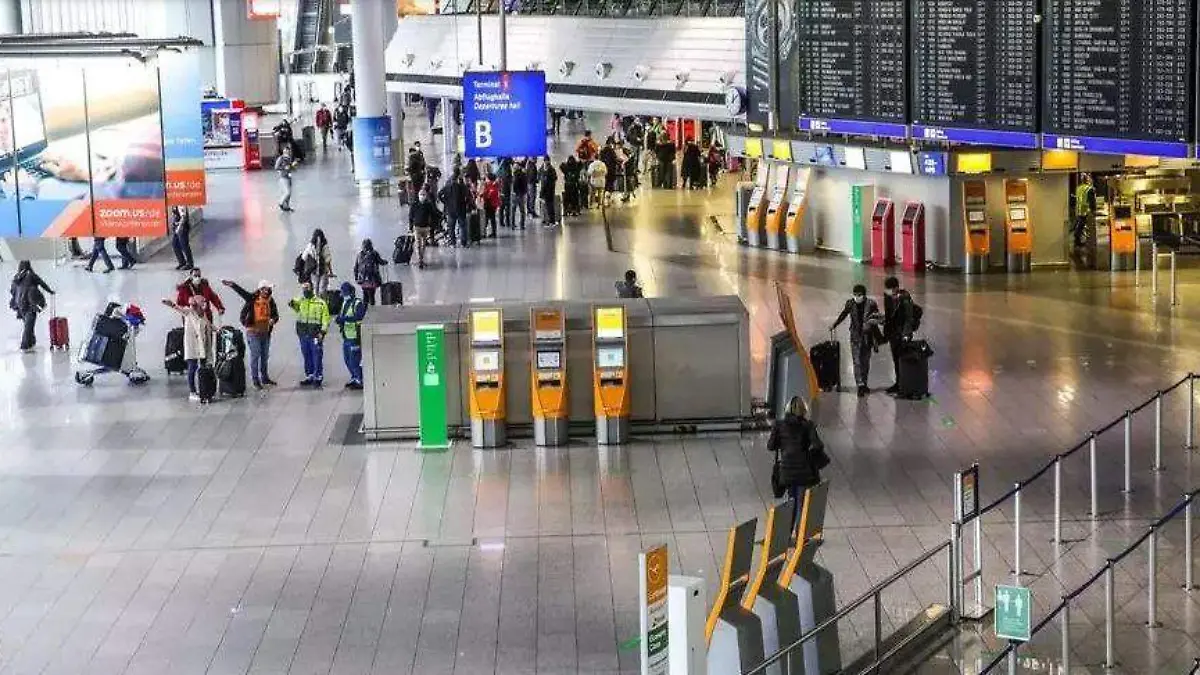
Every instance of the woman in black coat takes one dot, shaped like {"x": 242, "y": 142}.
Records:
{"x": 26, "y": 299}
{"x": 801, "y": 452}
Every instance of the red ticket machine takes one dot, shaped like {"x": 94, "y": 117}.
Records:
{"x": 912, "y": 235}
{"x": 883, "y": 233}
{"x": 250, "y": 139}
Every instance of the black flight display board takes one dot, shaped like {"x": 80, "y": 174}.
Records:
{"x": 1119, "y": 76}
{"x": 853, "y": 66}
{"x": 975, "y": 71}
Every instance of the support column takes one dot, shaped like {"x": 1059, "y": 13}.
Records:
{"x": 449, "y": 137}
{"x": 395, "y": 100}
{"x": 372, "y": 127}
{"x": 10, "y": 17}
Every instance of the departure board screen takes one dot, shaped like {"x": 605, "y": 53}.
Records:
{"x": 1118, "y": 76}
{"x": 975, "y": 71}
{"x": 853, "y": 66}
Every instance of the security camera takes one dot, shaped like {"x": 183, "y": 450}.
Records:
{"x": 726, "y": 78}
{"x": 566, "y": 68}
{"x": 641, "y": 73}
{"x": 435, "y": 64}
{"x": 681, "y": 78}
{"x": 534, "y": 65}
{"x": 409, "y": 58}
{"x": 603, "y": 69}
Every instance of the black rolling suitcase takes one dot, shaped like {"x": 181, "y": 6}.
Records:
{"x": 173, "y": 358}
{"x": 231, "y": 362}
{"x": 391, "y": 293}
{"x": 475, "y": 226}
{"x": 826, "y": 360}
{"x": 206, "y": 382}
{"x": 403, "y": 252}
{"x": 912, "y": 381}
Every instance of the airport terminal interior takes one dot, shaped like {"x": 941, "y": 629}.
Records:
{"x": 289, "y": 530}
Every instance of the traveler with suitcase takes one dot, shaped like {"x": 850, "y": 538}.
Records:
{"x": 349, "y": 321}
{"x": 259, "y": 315}
{"x": 901, "y": 318}
{"x": 368, "y": 268}
{"x": 197, "y": 285}
{"x": 865, "y": 321}
{"x": 799, "y": 454}
{"x": 27, "y": 300}
{"x": 312, "y": 321}
{"x": 198, "y": 337}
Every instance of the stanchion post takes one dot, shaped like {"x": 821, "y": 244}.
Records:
{"x": 1095, "y": 488}
{"x": 1017, "y": 536}
{"x": 952, "y": 574}
{"x": 1188, "y": 572}
{"x": 878, "y": 627}
{"x": 1154, "y": 270}
{"x": 1012, "y": 658}
{"x": 977, "y": 573}
{"x": 1058, "y": 499}
{"x": 1191, "y": 415}
{"x": 1174, "y": 296}
{"x": 1065, "y": 629}
{"x": 1152, "y": 591}
{"x": 1109, "y": 602}
{"x": 1158, "y": 465}
{"x": 1128, "y": 452}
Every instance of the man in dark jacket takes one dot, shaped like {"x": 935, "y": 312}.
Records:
{"x": 898, "y": 323}
{"x": 416, "y": 169}
{"x": 259, "y": 315}
{"x": 456, "y": 197}
{"x": 520, "y": 189}
{"x": 800, "y": 450}
{"x": 629, "y": 286}
{"x": 26, "y": 299}
{"x": 505, "y": 177}
{"x": 864, "y": 316}
{"x": 548, "y": 192}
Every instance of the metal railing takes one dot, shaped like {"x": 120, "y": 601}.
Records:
{"x": 1055, "y": 465}
{"x": 872, "y": 595}
{"x": 1195, "y": 667}
{"x": 1107, "y": 573}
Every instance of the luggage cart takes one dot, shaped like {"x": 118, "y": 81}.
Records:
{"x": 94, "y": 361}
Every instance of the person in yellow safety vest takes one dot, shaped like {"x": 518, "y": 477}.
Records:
{"x": 312, "y": 320}
{"x": 350, "y": 320}
{"x": 1085, "y": 206}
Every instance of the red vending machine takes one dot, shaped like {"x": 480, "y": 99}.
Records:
{"x": 912, "y": 234}
{"x": 250, "y": 139}
{"x": 883, "y": 233}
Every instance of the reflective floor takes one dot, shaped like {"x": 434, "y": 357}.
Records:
{"x": 140, "y": 533}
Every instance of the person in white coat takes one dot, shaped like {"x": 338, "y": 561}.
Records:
{"x": 198, "y": 334}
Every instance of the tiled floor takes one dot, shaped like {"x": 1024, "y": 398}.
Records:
{"x": 141, "y": 534}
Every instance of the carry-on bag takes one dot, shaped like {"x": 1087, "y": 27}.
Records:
{"x": 206, "y": 382}
{"x": 173, "y": 360}
{"x": 391, "y": 293}
{"x": 60, "y": 332}
{"x": 403, "y": 252}
{"x": 333, "y": 299}
{"x": 826, "y": 360}
{"x": 912, "y": 380}
{"x": 231, "y": 362}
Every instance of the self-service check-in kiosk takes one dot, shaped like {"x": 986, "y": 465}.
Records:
{"x": 1018, "y": 226}
{"x": 797, "y": 205}
{"x": 735, "y": 638}
{"x": 777, "y": 207}
{"x": 912, "y": 237}
{"x": 883, "y": 233}
{"x": 1122, "y": 237}
{"x": 486, "y": 379}
{"x": 549, "y": 377}
{"x": 813, "y": 587}
{"x": 756, "y": 214}
{"x": 978, "y": 226}
{"x": 775, "y": 605}
{"x": 610, "y": 374}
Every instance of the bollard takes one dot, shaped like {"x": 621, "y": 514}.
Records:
{"x": 955, "y": 599}
{"x": 1058, "y": 499}
{"x": 1017, "y": 536}
{"x": 1012, "y": 658}
{"x": 1152, "y": 591}
{"x": 1187, "y": 550}
{"x": 1092, "y": 467}
{"x": 1158, "y": 465}
{"x": 878, "y": 628}
{"x": 1128, "y": 452}
{"x": 1109, "y": 602}
{"x": 1065, "y": 667}
{"x": 978, "y": 572}
{"x": 1191, "y": 416}
{"x": 1153, "y": 270}
{"x": 1174, "y": 295}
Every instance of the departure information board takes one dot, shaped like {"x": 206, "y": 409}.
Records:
{"x": 853, "y": 67}
{"x": 975, "y": 71}
{"x": 1118, "y": 76}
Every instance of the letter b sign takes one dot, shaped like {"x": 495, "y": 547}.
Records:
{"x": 483, "y": 134}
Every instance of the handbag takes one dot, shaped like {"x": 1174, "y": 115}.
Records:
{"x": 777, "y": 487}
{"x": 816, "y": 451}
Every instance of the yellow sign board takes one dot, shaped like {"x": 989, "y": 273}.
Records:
{"x": 754, "y": 148}
{"x": 782, "y": 149}
{"x": 485, "y": 325}
{"x": 610, "y": 323}
{"x": 974, "y": 162}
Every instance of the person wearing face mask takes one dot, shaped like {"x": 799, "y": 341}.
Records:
{"x": 259, "y": 316}
{"x": 312, "y": 321}
{"x": 901, "y": 319}
{"x": 196, "y": 285}
{"x": 864, "y": 316}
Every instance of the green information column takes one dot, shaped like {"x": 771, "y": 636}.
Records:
{"x": 856, "y": 218}
{"x": 431, "y": 387}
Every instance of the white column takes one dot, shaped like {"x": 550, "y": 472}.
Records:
{"x": 395, "y": 100}
{"x": 449, "y": 136}
{"x": 10, "y": 17}
{"x": 368, "y": 58}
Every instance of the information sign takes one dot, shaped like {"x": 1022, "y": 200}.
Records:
{"x": 504, "y": 113}
{"x": 653, "y": 570}
{"x": 1014, "y": 613}
{"x": 431, "y": 386}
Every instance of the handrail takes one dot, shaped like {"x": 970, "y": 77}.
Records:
{"x": 1195, "y": 667}
{"x": 861, "y": 600}
{"x": 1183, "y": 506}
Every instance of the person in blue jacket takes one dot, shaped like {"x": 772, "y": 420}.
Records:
{"x": 349, "y": 320}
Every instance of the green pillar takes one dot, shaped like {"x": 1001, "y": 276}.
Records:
{"x": 431, "y": 387}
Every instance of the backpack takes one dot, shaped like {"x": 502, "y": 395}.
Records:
{"x": 368, "y": 267}
{"x": 917, "y": 313}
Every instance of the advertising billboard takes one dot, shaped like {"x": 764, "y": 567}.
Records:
{"x": 183, "y": 132}
{"x": 372, "y": 148}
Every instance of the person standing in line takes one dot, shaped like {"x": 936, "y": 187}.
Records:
{"x": 285, "y": 166}
{"x": 898, "y": 323}
{"x": 799, "y": 451}
{"x": 532, "y": 177}
{"x": 27, "y": 300}
{"x": 181, "y": 237}
{"x": 597, "y": 173}
{"x": 505, "y": 179}
{"x": 101, "y": 253}
{"x": 368, "y": 270}
{"x": 549, "y": 193}
{"x": 520, "y": 181}
{"x": 456, "y": 198}
{"x": 128, "y": 260}
{"x": 312, "y": 321}
{"x": 324, "y": 123}
{"x": 198, "y": 334}
{"x": 259, "y": 316}
{"x": 349, "y": 321}
{"x": 491, "y": 205}
{"x": 865, "y": 319}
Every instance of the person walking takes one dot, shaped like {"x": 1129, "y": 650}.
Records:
{"x": 312, "y": 321}
{"x": 341, "y": 124}
{"x": 799, "y": 452}
{"x": 865, "y": 321}
{"x": 285, "y": 166}
{"x": 198, "y": 334}
{"x": 181, "y": 238}
{"x": 27, "y": 300}
{"x": 259, "y": 315}
{"x": 368, "y": 270}
{"x": 99, "y": 252}
{"x": 324, "y": 123}
{"x": 128, "y": 260}
{"x": 318, "y": 262}
{"x": 196, "y": 285}
{"x": 456, "y": 198}
{"x": 898, "y": 323}
{"x": 349, "y": 321}
{"x": 416, "y": 169}
{"x": 422, "y": 216}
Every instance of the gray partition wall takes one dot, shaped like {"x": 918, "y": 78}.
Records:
{"x": 689, "y": 364}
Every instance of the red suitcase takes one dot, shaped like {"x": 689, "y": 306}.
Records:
{"x": 60, "y": 333}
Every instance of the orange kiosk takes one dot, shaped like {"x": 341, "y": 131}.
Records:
{"x": 1122, "y": 237}
{"x": 883, "y": 233}
{"x": 912, "y": 236}
{"x": 777, "y": 208}
{"x": 548, "y": 360}
{"x": 610, "y": 374}
{"x": 756, "y": 213}
{"x": 1018, "y": 228}
{"x": 486, "y": 379}
{"x": 797, "y": 205}
{"x": 979, "y": 228}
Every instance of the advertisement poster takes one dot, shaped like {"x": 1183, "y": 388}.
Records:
{"x": 760, "y": 55}
{"x": 9, "y": 226}
{"x": 654, "y": 570}
{"x": 372, "y": 148}
{"x": 183, "y": 133}
{"x": 504, "y": 113}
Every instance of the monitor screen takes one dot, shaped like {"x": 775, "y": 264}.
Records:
{"x": 856, "y": 158}
{"x": 610, "y": 357}
{"x": 486, "y": 361}
{"x": 824, "y": 155}
{"x": 902, "y": 161}
{"x": 1016, "y": 213}
{"x": 1122, "y": 212}
{"x": 881, "y": 209}
{"x": 910, "y": 211}
{"x": 549, "y": 360}
{"x": 610, "y": 323}
{"x": 976, "y": 216}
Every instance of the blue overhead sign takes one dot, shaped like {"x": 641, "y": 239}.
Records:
{"x": 1003, "y": 139}
{"x": 854, "y": 127}
{"x": 1115, "y": 146}
{"x": 504, "y": 113}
